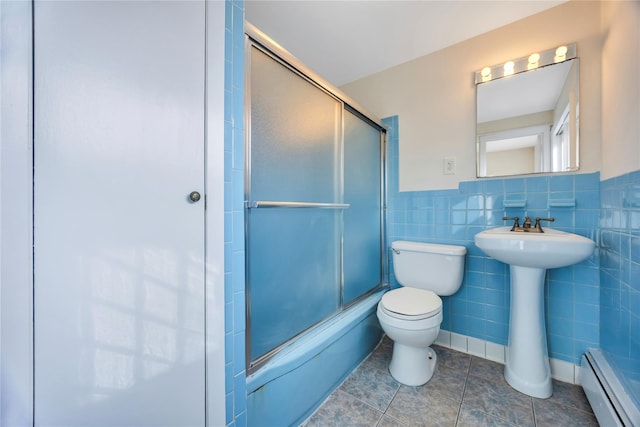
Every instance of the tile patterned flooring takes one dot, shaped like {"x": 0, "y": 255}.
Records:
{"x": 464, "y": 391}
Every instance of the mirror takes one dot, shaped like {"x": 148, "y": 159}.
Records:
{"x": 528, "y": 115}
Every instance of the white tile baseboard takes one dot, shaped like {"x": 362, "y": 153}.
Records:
{"x": 459, "y": 342}
{"x": 495, "y": 352}
{"x": 477, "y": 347}
{"x": 444, "y": 338}
{"x": 560, "y": 369}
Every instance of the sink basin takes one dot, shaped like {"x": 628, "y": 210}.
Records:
{"x": 529, "y": 255}
{"x": 551, "y": 249}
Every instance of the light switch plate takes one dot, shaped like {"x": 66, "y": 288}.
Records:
{"x": 449, "y": 166}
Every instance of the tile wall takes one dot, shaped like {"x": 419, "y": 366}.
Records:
{"x": 575, "y": 319}
{"x": 620, "y": 278}
{"x": 235, "y": 374}
{"x": 481, "y": 308}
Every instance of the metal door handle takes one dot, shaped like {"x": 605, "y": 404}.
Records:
{"x": 273, "y": 204}
{"x": 194, "y": 196}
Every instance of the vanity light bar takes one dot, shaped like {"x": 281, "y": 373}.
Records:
{"x": 533, "y": 61}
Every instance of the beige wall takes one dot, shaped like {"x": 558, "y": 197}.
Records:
{"x": 509, "y": 162}
{"x": 535, "y": 119}
{"x": 620, "y": 88}
{"x": 434, "y": 96}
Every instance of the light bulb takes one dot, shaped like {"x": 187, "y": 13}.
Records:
{"x": 561, "y": 54}
{"x": 508, "y": 68}
{"x": 486, "y": 74}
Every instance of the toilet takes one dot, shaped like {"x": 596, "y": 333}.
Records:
{"x": 411, "y": 315}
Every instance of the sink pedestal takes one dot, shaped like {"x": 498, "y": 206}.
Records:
{"x": 527, "y": 362}
{"x": 529, "y": 255}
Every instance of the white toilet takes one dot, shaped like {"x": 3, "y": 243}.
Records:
{"x": 411, "y": 315}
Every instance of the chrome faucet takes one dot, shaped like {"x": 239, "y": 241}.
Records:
{"x": 516, "y": 222}
{"x": 526, "y": 225}
{"x": 538, "y": 226}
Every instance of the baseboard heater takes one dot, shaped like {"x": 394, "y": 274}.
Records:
{"x": 610, "y": 402}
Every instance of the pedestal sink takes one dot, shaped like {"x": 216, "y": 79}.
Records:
{"x": 529, "y": 255}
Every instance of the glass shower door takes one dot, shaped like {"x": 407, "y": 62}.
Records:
{"x": 363, "y": 220}
{"x": 294, "y": 197}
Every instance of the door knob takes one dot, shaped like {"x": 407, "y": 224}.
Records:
{"x": 194, "y": 196}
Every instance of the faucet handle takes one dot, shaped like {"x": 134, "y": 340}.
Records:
{"x": 537, "y": 224}
{"x": 515, "y": 219}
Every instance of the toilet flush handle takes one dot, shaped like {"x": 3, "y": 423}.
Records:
{"x": 397, "y": 251}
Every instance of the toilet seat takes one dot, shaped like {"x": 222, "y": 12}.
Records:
{"x": 411, "y": 304}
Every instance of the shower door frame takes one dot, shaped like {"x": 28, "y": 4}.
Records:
{"x": 254, "y": 38}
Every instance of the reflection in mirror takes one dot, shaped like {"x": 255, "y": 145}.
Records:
{"x": 528, "y": 122}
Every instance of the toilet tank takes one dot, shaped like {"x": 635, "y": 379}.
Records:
{"x": 430, "y": 266}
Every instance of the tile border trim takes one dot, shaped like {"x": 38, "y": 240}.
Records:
{"x": 560, "y": 370}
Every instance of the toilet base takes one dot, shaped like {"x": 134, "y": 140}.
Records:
{"x": 412, "y": 366}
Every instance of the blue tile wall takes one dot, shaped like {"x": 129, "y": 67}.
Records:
{"x": 620, "y": 278}
{"x": 480, "y": 308}
{"x": 593, "y": 304}
{"x": 235, "y": 374}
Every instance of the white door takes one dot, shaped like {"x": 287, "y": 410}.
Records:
{"x": 119, "y": 246}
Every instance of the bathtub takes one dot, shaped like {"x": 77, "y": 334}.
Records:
{"x": 295, "y": 382}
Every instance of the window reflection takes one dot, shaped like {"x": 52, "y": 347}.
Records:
{"x": 144, "y": 317}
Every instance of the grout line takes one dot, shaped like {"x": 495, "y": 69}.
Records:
{"x": 464, "y": 392}
{"x": 359, "y": 400}
{"x": 337, "y": 388}
{"x": 466, "y": 383}
{"x": 382, "y": 412}
{"x": 389, "y": 405}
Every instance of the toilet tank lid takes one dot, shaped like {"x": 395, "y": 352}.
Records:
{"x": 434, "y": 248}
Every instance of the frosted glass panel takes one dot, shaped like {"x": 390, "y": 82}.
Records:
{"x": 306, "y": 149}
{"x": 294, "y": 136}
{"x": 293, "y": 272}
{"x": 362, "y": 228}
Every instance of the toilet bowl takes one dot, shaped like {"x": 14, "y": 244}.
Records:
{"x": 411, "y": 315}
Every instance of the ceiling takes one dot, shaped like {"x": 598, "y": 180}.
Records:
{"x": 522, "y": 94}
{"x": 345, "y": 40}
